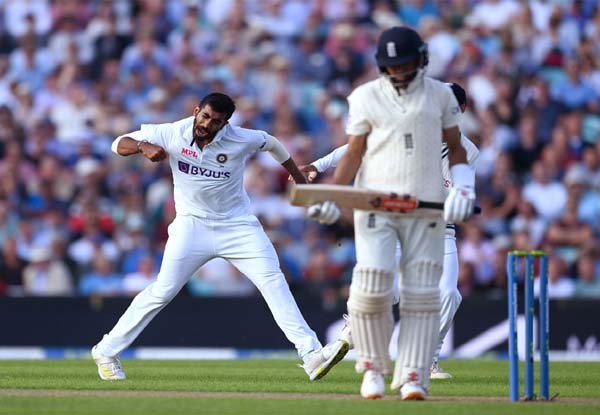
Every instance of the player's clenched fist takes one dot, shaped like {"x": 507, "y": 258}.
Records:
{"x": 152, "y": 152}
{"x": 459, "y": 204}
{"x": 310, "y": 171}
{"x": 325, "y": 213}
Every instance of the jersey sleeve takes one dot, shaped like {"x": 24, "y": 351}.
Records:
{"x": 274, "y": 146}
{"x": 158, "y": 134}
{"x": 330, "y": 160}
{"x": 358, "y": 120}
{"x": 450, "y": 109}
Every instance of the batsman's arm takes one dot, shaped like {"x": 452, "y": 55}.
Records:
{"x": 351, "y": 160}
{"x": 330, "y": 160}
{"x": 456, "y": 152}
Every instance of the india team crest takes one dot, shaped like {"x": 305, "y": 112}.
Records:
{"x": 221, "y": 158}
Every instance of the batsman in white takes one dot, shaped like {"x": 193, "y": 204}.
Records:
{"x": 449, "y": 295}
{"x": 396, "y": 125}
{"x": 207, "y": 158}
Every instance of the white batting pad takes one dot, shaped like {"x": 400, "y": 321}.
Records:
{"x": 371, "y": 319}
{"x": 420, "y": 320}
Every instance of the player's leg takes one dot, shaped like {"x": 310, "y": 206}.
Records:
{"x": 182, "y": 257}
{"x": 249, "y": 249}
{"x": 370, "y": 301}
{"x": 346, "y": 332}
{"x": 422, "y": 256}
{"x": 450, "y": 299}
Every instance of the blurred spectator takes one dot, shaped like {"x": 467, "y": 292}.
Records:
{"x": 568, "y": 235}
{"x": 574, "y": 92}
{"x": 528, "y": 221}
{"x": 19, "y": 15}
{"x": 560, "y": 285}
{"x": 30, "y": 63}
{"x": 412, "y": 12}
{"x": 45, "y": 275}
{"x": 541, "y": 189}
{"x": 586, "y": 199}
{"x": 529, "y": 146}
{"x": 322, "y": 278}
{"x": 218, "y": 278}
{"x": 587, "y": 283}
{"x": 102, "y": 280}
{"x": 135, "y": 282}
{"x": 11, "y": 268}
{"x": 90, "y": 245}
{"x": 479, "y": 251}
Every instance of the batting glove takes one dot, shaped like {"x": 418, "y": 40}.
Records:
{"x": 459, "y": 204}
{"x": 326, "y": 212}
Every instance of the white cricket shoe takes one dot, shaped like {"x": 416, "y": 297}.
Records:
{"x": 318, "y": 363}
{"x": 437, "y": 372}
{"x": 109, "y": 368}
{"x": 373, "y": 385}
{"x": 412, "y": 391}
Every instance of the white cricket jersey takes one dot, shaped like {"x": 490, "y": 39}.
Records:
{"x": 332, "y": 159}
{"x": 208, "y": 183}
{"x": 404, "y": 136}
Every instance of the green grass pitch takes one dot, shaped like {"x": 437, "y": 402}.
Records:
{"x": 275, "y": 387}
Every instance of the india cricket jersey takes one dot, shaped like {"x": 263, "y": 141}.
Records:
{"x": 208, "y": 183}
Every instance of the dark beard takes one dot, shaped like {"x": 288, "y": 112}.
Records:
{"x": 196, "y": 138}
{"x": 405, "y": 83}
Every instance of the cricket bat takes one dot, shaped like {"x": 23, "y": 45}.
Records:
{"x": 363, "y": 199}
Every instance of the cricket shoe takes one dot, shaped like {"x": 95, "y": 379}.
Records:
{"x": 437, "y": 372}
{"x": 412, "y": 391}
{"x": 109, "y": 368}
{"x": 373, "y": 385}
{"x": 318, "y": 363}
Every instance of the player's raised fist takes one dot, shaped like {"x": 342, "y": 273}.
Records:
{"x": 152, "y": 152}
{"x": 310, "y": 171}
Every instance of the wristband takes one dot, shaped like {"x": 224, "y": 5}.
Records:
{"x": 462, "y": 175}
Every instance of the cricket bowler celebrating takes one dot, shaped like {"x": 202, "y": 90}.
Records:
{"x": 396, "y": 126}
{"x": 207, "y": 158}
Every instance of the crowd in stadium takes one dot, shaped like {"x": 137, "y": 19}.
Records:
{"x": 75, "y": 219}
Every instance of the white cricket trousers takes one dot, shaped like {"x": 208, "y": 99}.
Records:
{"x": 194, "y": 241}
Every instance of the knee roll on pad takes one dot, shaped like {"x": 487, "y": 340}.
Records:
{"x": 371, "y": 290}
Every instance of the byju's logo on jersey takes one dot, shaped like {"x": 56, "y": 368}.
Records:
{"x": 221, "y": 158}
{"x": 201, "y": 171}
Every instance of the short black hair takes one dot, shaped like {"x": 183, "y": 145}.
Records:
{"x": 219, "y": 102}
{"x": 459, "y": 93}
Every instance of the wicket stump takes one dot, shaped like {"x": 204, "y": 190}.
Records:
{"x": 512, "y": 261}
